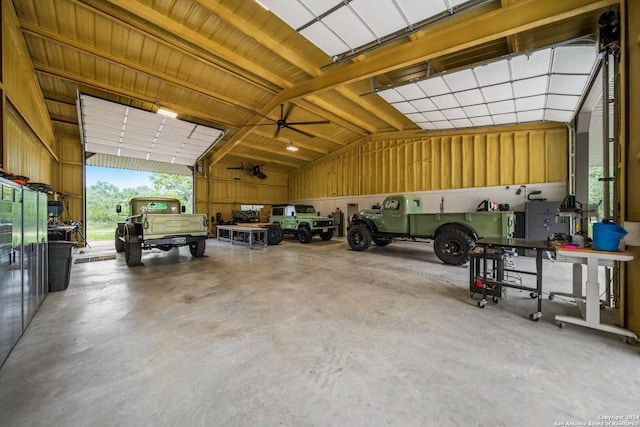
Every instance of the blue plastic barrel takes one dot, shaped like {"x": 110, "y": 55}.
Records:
{"x": 607, "y": 235}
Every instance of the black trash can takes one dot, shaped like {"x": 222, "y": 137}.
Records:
{"x": 59, "y": 264}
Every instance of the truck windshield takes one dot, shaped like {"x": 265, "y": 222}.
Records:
{"x": 155, "y": 206}
{"x": 305, "y": 209}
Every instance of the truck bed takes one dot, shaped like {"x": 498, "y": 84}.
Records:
{"x": 491, "y": 223}
{"x": 161, "y": 225}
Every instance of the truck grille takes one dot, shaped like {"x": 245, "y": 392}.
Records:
{"x": 327, "y": 223}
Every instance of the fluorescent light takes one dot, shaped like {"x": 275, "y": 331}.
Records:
{"x": 292, "y": 147}
{"x": 167, "y": 113}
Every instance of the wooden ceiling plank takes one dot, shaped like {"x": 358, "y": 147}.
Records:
{"x": 123, "y": 20}
{"x": 259, "y": 35}
{"x": 263, "y": 159}
{"x": 301, "y": 144}
{"x": 45, "y": 34}
{"x": 281, "y": 152}
{"x": 181, "y": 32}
{"x": 513, "y": 19}
{"x": 117, "y": 90}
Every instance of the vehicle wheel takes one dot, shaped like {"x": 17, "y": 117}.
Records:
{"x": 452, "y": 246}
{"x": 197, "y": 249}
{"x": 359, "y": 237}
{"x": 327, "y": 236}
{"x": 119, "y": 243}
{"x": 133, "y": 253}
{"x": 274, "y": 235}
{"x": 381, "y": 242}
{"x": 304, "y": 234}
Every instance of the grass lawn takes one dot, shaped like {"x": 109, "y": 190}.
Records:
{"x": 96, "y": 232}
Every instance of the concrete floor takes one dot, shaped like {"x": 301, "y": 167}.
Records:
{"x": 307, "y": 335}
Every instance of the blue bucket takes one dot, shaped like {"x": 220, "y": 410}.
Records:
{"x": 607, "y": 235}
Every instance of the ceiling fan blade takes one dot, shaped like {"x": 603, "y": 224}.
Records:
{"x": 299, "y": 131}
{"x": 238, "y": 168}
{"x": 289, "y": 110}
{"x": 277, "y": 132}
{"x": 322, "y": 122}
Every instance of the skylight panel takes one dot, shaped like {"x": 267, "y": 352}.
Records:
{"x": 435, "y": 116}
{"x": 530, "y": 116}
{"x": 325, "y": 39}
{"x": 346, "y": 24}
{"x": 380, "y": 15}
{"x": 482, "y": 121}
{"x": 291, "y": 12}
{"x": 316, "y": 6}
{"x": 454, "y": 113}
{"x": 562, "y": 102}
{"x": 505, "y": 119}
{"x": 461, "y": 123}
{"x": 558, "y": 115}
{"x": 427, "y": 126}
{"x": 418, "y": 10}
{"x": 444, "y": 125}
{"x": 476, "y": 110}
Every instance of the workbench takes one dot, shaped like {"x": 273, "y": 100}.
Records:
{"x": 243, "y": 235}
{"x": 590, "y": 309}
{"x": 502, "y": 243}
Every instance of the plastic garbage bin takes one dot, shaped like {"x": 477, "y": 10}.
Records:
{"x": 59, "y": 264}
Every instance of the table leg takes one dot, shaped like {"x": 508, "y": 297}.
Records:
{"x": 593, "y": 292}
{"x": 537, "y": 315}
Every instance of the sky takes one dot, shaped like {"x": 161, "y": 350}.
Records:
{"x": 121, "y": 178}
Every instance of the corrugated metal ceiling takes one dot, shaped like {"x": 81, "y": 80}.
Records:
{"x": 230, "y": 65}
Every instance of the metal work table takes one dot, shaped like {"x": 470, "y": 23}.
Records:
{"x": 242, "y": 235}
{"x": 590, "y": 310}
{"x": 512, "y": 243}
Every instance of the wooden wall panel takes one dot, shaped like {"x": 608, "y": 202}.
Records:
{"x": 20, "y": 85}
{"x": 25, "y": 154}
{"x": 229, "y": 189}
{"x": 497, "y": 156}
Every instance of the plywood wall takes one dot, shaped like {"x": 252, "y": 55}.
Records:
{"x": 497, "y": 156}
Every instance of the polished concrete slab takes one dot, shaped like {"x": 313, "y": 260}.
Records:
{"x": 307, "y": 335}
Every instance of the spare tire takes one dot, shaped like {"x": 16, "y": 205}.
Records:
{"x": 452, "y": 246}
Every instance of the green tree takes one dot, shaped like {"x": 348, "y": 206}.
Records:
{"x": 176, "y": 186}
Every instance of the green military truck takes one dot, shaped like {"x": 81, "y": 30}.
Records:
{"x": 159, "y": 222}
{"x": 299, "y": 220}
{"x": 401, "y": 217}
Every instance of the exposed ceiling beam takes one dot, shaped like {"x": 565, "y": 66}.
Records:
{"x": 180, "y": 31}
{"x": 261, "y": 146}
{"x": 368, "y": 105}
{"x": 45, "y": 34}
{"x": 129, "y": 21}
{"x": 76, "y": 79}
{"x": 56, "y": 97}
{"x": 518, "y": 17}
{"x": 301, "y": 144}
{"x": 239, "y": 152}
{"x": 63, "y": 119}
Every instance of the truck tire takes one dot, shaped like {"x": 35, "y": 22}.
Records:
{"x": 359, "y": 237}
{"x": 197, "y": 248}
{"x": 304, "y": 234}
{"x": 119, "y": 243}
{"x": 382, "y": 242}
{"x": 132, "y": 253}
{"x": 327, "y": 236}
{"x": 274, "y": 235}
{"x": 452, "y": 246}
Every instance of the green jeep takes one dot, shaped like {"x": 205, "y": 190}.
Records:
{"x": 300, "y": 220}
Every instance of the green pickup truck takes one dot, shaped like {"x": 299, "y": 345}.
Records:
{"x": 159, "y": 222}
{"x": 401, "y": 217}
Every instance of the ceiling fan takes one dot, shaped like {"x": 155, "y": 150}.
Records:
{"x": 252, "y": 170}
{"x": 283, "y": 123}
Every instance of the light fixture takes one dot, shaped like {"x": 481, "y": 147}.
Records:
{"x": 167, "y": 113}
{"x": 292, "y": 147}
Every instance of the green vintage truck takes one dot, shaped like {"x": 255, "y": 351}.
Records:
{"x": 159, "y": 222}
{"x": 401, "y": 217}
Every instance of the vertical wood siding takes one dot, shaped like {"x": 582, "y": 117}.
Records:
{"x": 515, "y": 155}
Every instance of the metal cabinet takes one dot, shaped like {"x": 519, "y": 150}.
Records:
{"x": 23, "y": 260}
